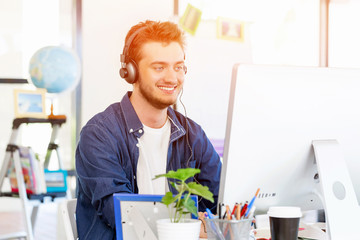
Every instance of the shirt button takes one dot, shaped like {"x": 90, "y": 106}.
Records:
{"x": 131, "y": 130}
{"x": 140, "y": 131}
{"x": 137, "y": 145}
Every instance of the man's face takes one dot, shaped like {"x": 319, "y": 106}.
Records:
{"x": 161, "y": 73}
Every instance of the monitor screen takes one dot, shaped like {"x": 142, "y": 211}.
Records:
{"x": 275, "y": 112}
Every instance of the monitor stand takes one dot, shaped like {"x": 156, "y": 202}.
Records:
{"x": 342, "y": 211}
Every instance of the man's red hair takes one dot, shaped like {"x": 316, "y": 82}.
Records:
{"x": 163, "y": 32}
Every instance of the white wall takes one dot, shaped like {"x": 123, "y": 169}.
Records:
{"x": 207, "y": 85}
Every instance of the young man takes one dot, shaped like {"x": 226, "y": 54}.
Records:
{"x": 124, "y": 147}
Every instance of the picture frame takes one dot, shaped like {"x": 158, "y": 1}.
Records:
{"x": 230, "y": 29}
{"x": 190, "y": 19}
{"x": 29, "y": 103}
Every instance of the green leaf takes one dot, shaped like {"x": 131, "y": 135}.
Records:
{"x": 200, "y": 190}
{"x": 182, "y": 203}
{"x": 168, "y": 199}
{"x": 181, "y": 174}
{"x": 190, "y": 205}
{"x": 180, "y": 187}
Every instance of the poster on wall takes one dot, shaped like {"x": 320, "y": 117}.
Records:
{"x": 230, "y": 29}
{"x": 190, "y": 19}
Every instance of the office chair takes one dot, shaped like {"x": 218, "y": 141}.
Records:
{"x": 67, "y": 209}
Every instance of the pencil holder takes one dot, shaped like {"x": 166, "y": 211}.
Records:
{"x": 221, "y": 229}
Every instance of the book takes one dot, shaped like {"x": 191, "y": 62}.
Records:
{"x": 32, "y": 172}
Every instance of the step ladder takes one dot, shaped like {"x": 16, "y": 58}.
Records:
{"x": 29, "y": 202}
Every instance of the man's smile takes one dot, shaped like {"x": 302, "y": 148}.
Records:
{"x": 167, "y": 88}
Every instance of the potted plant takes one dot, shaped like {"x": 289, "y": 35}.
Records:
{"x": 177, "y": 227}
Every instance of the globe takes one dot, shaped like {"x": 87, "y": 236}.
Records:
{"x": 55, "y": 68}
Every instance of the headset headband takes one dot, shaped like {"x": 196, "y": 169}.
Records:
{"x": 124, "y": 57}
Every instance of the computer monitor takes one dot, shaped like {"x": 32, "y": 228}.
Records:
{"x": 274, "y": 114}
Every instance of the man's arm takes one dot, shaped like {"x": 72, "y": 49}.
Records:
{"x": 210, "y": 166}
{"x": 99, "y": 170}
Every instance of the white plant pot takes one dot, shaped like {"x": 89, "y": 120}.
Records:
{"x": 189, "y": 229}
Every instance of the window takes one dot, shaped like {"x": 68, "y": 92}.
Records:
{"x": 344, "y": 36}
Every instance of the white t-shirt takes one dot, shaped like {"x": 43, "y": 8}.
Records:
{"x": 153, "y": 149}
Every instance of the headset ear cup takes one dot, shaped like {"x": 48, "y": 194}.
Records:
{"x": 132, "y": 71}
{"x": 129, "y": 72}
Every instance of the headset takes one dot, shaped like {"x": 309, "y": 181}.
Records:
{"x": 129, "y": 69}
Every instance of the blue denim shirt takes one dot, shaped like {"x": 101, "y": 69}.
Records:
{"x": 107, "y": 156}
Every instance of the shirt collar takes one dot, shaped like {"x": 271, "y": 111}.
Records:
{"x": 133, "y": 123}
{"x": 177, "y": 129}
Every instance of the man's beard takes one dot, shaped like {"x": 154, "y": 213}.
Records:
{"x": 154, "y": 100}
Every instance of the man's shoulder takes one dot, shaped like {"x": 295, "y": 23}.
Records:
{"x": 110, "y": 118}
{"x": 105, "y": 125}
